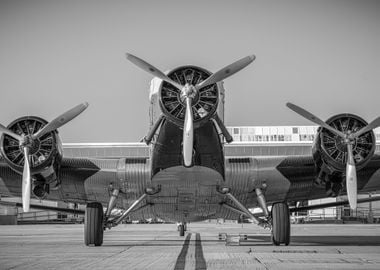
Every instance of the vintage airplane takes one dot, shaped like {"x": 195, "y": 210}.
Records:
{"x": 187, "y": 177}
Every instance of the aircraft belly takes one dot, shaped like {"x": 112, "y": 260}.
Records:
{"x": 187, "y": 194}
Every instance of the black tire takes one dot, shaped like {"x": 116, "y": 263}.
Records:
{"x": 181, "y": 230}
{"x": 93, "y": 224}
{"x": 280, "y": 224}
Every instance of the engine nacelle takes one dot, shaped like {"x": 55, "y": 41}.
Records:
{"x": 330, "y": 151}
{"x": 45, "y": 153}
{"x": 173, "y": 104}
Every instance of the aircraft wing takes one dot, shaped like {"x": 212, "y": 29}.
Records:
{"x": 292, "y": 178}
{"x": 282, "y": 178}
{"x": 83, "y": 180}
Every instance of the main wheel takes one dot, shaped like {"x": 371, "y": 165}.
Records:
{"x": 280, "y": 224}
{"x": 181, "y": 230}
{"x": 93, "y": 224}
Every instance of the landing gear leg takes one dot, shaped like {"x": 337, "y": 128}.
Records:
{"x": 113, "y": 223}
{"x": 111, "y": 203}
{"x": 262, "y": 202}
{"x": 93, "y": 224}
{"x": 243, "y": 208}
{"x": 263, "y": 205}
{"x": 280, "y": 224}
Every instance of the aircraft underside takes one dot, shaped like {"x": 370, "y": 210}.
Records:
{"x": 188, "y": 194}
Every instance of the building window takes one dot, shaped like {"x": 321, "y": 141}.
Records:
{"x": 244, "y": 131}
{"x": 236, "y": 131}
{"x": 295, "y": 130}
{"x": 306, "y": 137}
{"x": 273, "y": 138}
{"x": 245, "y": 138}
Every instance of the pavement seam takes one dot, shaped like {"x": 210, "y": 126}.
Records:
{"x": 261, "y": 263}
{"x": 124, "y": 250}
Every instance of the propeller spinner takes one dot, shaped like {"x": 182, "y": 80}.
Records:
{"x": 26, "y": 143}
{"x": 188, "y": 92}
{"x": 348, "y": 139}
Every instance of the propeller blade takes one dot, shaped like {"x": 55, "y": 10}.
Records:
{"x": 188, "y": 134}
{"x": 314, "y": 119}
{"x": 152, "y": 70}
{"x": 61, "y": 120}
{"x": 226, "y": 71}
{"x": 374, "y": 124}
{"x": 26, "y": 182}
{"x": 351, "y": 180}
{"x": 10, "y": 133}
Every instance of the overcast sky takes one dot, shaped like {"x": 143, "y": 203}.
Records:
{"x": 321, "y": 55}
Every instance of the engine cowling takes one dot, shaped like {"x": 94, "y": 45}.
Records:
{"x": 330, "y": 151}
{"x": 45, "y": 153}
{"x": 173, "y": 104}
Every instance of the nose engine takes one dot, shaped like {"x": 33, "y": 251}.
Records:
{"x": 189, "y": 97}
{"x": 204, "y": 102}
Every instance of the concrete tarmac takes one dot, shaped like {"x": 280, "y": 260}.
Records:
{"x": 159, "y": 246}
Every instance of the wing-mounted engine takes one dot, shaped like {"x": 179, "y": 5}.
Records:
{"x": 31, "y": 147}
{"x": 331, "y": 150}
{"x": 44, "y": 151}
{"x": 173, "y": 101}
{"x": 345, "y": 143}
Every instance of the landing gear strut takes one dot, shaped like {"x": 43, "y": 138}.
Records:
{"x": 280, "y": 224}
{"x": 241, "y": 208}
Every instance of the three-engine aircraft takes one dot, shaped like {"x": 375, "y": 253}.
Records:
{"x": 187, "y": 177}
